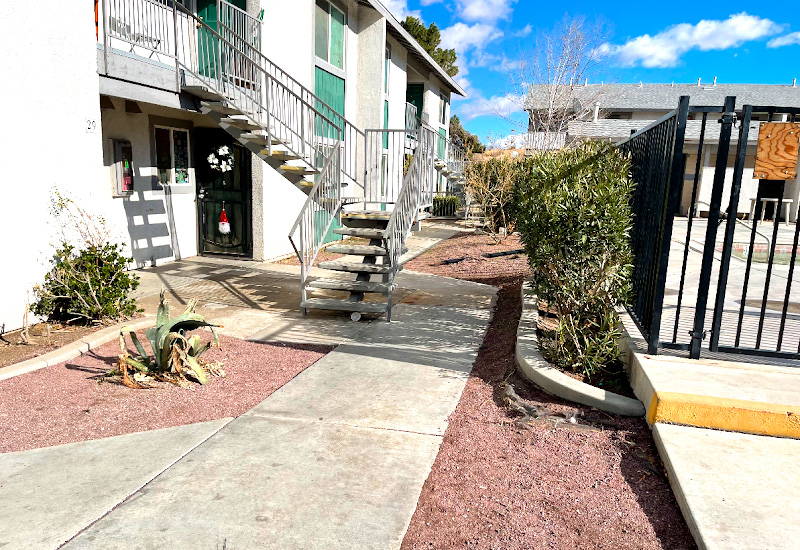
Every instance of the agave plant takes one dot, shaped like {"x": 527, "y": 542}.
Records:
{"x": 173, "y": 351}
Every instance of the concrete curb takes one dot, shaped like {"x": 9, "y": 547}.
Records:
{"x": 537, "y": 370}
{"x": 73, "y": 350}
{"x": 667, "y": 405}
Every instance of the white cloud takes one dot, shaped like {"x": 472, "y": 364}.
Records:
{"x": 503, "y": 106}
{"x": 487, "y": 11}
{"x": 462, "y": 37}
{"x": 399, "y": 9}
{"x": 666, "y": 48}
{"x": 786, "y": 40}
{"x": 526, "y": 31}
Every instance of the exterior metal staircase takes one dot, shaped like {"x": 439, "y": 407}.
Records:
{"x": 311, "y": 145}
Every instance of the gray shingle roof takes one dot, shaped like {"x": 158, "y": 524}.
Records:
{"x": 626, "y": 97}
{"x": 617, "y": 130}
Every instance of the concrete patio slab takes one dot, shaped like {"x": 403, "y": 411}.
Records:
{"x": 277, "y": 483}
{"x": 49, "y": 495}
{"x": 736, "y": 491}
{"x": 407, "y": 375}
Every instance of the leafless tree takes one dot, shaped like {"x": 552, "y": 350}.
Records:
{"x": 545, "y": 79}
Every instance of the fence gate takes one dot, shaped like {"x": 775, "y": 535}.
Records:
{"x": 719, "y": 276}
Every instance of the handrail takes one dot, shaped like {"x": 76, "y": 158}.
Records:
{"x": 407, "y": 206}
{"x": 324, "y": 197}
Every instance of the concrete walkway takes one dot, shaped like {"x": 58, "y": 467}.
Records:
{"x": 736, "y": 490}
{"x": 334, "y": 459}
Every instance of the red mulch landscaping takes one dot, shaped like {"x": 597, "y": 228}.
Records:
{"x": 472, "y": 246}
{"x": 501, "y": 484}
{"x": 74, "y": 402}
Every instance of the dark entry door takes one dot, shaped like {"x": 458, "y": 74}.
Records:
{"x": 414, "y": 95}
{"x": 231, "y": 190}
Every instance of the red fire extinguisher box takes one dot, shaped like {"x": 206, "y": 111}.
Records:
{"x": 123, "y": 168}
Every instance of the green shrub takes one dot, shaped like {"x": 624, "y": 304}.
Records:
{"x": 91, "y": 284}
{"x": 574, "y": 219}
{"x": 491, "y": 183}
{"x": 446, "y": 206}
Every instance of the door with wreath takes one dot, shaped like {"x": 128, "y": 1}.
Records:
{"x": 224, "y": 194}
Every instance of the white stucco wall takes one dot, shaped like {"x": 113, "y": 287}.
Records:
{"x": 288, "y": 37}
{"x": 398, "y": 81}
{"x": 155, "y": 228}
{"x": 45, "y": 142}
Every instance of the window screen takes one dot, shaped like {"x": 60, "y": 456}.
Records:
{"x": 163, "y": 156}
{"x": 321, "y": 27}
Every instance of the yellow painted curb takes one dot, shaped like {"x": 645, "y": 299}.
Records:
{"x": 721, "y": 413}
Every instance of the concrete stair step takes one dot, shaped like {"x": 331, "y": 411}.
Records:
{"x": 202, "y": 92}
{"x": 260, "y": 139}
{"x": 352, "y": 286}
{"x": 343, "y": 305}
{"x": 357, "y": 249}
{"x": 298, "y": 170}
{"x": 283, "y": 156}
{"x": 365, "y": 232}
{"x": 353, "y": 267}
{"x": 222, "y": 107}
{"x": 241, "y": 123}
{"x": 367, "y": 215}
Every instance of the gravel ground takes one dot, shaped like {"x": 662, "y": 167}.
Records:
{"x": 13, "y": 351}
{"x": 501, "y": 484}
{"x": 70, "y": 402}
{"x": 491, "y": 271}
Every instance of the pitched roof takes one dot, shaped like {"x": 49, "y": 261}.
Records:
{"x": 394, "y": 27}
{"x": 658, "y": 97}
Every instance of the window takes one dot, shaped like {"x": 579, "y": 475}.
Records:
{"x": 443, "y": 109}
{"x": 172, "y": 156}
{"x": 329, "y": 33}
{"x": 386, "y": 64}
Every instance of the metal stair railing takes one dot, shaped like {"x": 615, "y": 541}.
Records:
{"x": 284, "y": 115}
{"x": 216, "y": 63}
{"x": 322, "y": 207}
{"x": 406, "y": 209}
{"x": 226, "y": 66}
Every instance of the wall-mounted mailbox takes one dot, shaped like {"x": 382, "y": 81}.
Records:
{"x": 776, "y": 157}
{"x": 123, "y": 168}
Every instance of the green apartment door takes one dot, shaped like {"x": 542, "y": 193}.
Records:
{"x": 414, "y": 95}
{"x": 329, "y": 89}
{"x": 207, "y": 49}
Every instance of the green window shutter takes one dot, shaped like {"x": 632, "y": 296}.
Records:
{"x": 442, "y": 142}
{"x": 337, "y": 38}
{"x": 386, "y": 124}
{"x": 330, "y": 90}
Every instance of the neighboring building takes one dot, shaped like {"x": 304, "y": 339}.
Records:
{"x": 613, "y": 111}
{"x": 124, "y": 123}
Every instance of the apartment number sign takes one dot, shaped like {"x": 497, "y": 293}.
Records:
{"x": 776, "y": 157}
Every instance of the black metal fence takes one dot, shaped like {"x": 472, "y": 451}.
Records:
{"x": 709, "y": 273}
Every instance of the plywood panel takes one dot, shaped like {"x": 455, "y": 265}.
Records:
{"x": 776, "y": 158}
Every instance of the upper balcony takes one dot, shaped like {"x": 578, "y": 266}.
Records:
{"x": 151, "y": 43}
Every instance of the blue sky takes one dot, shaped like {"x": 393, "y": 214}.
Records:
{"x": 648, "y": 41}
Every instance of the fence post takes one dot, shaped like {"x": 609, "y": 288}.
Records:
{"x": 673, "y": 196}
{"x": 730, "y": 228}
{"x": 698, "y": 331}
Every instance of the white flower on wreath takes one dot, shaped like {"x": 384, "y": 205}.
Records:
{"x": 222, "y": 160}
